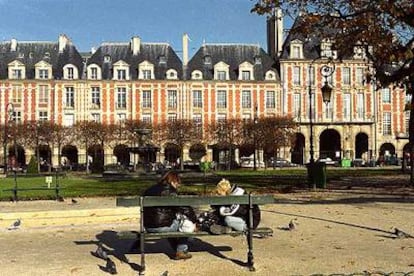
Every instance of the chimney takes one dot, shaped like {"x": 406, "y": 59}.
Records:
{"x": 185, "y": 49}
{"x": 63, "y": 42}
{"x": 275, "y": 33}
{"x": 135, "y": 45}
{"x": 13, "y": 45}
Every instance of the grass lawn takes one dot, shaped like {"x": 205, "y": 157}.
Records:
{"x": 77, "y": 185}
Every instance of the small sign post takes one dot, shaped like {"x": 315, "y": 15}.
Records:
{"x": 49, "y": 180}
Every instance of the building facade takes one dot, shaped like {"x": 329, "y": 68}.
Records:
{"x": 148, "y": 82}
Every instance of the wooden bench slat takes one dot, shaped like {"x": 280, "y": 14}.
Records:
{"x": 193, "y": 200}
{"x": 156, "y": 236}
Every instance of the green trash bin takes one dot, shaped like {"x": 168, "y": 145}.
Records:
{"x": 320, "y": 175}
{"x": 346, "y": 163}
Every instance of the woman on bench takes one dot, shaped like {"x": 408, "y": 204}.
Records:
{"x": 235, "y": 216}
{"x": 170, "y": 218}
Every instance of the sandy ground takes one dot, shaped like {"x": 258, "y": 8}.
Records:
{"x": 337, "y": 233}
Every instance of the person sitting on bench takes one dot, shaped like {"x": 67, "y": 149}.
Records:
{"x": 235, "y": 216}
{"x": 170, "y": 218}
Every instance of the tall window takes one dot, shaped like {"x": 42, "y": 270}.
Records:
{"x": 121, "y": 96}
{"x": 346, "y": 100}
{"x": 96, "y": 97}
{"x": 296, "y": 51}
{"x": 146, "y": 99}
{"x": 246, "y": 99}
{"x": 407, "y": 121}
{"x": 221, "y": 75}
{"x": 172, "y": 117}
{"x": 96, "y": 117}
{"x": 221, "y": 99}
{"x": 386, "y": 123}
{"x": 43, "y": 74}
{"x": 16, "y": 93}
{"x": 359, "y": 76}
{"x": 94, "y": 73}
{"x": 146, "y": 118}
{"x": 17, "y": 74}
{"x": 197, "y": 99}
{"x": 386, "y": 95}
{"x": 246, "y": 75}
{"x": 70, "y": 73}
{"x": 43, "y": 94}
{"x": 43, "y": 116}
{"x": 121, "y": 74}
{"x": 311, "y": 105}
{"x": 70, "y": 97}
{"x": 270, "y": 99}
{"x": 296, "y": 105}
{"x": 311, "y": 75}
{"x": 68, "y": 119}
{"x": 360, "y": 105}
{"x": 329, "y": 110}
{"x": 146, "y": 74}
{"x": 346, "y": 75}
{"x": 172, "y": 99}
{"x": 198, "y": 123}
{"x": 296, "y": 75}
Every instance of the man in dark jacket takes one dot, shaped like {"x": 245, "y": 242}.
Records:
{"x": 168, "y": 218}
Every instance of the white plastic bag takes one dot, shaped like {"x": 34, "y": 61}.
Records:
{"x": 185, "y": 225}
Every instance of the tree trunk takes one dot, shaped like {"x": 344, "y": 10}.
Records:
{"x": 411, "y": 136}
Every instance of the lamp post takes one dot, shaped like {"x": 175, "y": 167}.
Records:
{"x": 326, "y": 71}
{"x": 7, "y": 119}
{"x": 255, "y": 121}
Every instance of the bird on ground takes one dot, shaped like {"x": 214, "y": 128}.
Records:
{"x": 401, "y": 234}
{"x": 15, "y": 225}
{"x": 291, "y": 225}
{"x": 100, "y": 252}
{"x": 60, "y": 199}
{"x": 110, "y": 266}
{"x": 74, "y": 201}
{"x": 165, "y": 273}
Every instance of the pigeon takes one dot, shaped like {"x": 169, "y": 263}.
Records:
{"x": 74, "y": 201}
{"x": 291, "y": 225}
{"x": 100, "y": 252}
{"x": 401, "y": 234}
{"x": 165, "y": 273}
{"x": 15, "y": 225}
{"x": 110, "y": 266}
{"x": 60, "y": 199}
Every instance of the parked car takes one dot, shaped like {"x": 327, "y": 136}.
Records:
{"x": 328, "y": 161}
{"x": 249, "y": 163}
{"x": 279, "y": 162}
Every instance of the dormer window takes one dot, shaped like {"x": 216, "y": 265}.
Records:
{"x": 171, "y": 74}
{"x": 257, "y": 60}
{"x": 94, "y": 72}
{"x": 162, "y": 60}
{"x": 196, "y": 75}
{"x": 17, "y": 70}
{"x": 246, "y": 71}
{"x": 296, "y": 49}
{"x": 107, "y": 58}
{"x": 43, "y": 70}
{"x": 121, "y": 69}
{"x": 207, "y": 60}
{"x": 359, "y": 52}
{"x": 47, "y": 55}
{"x": 20, "y": 55}
{"x": 221, "y": 71}
{"x": 146, "y": 70}
{"x": 70, "y": 72}
{"x": 326, "y": 49}
{"x": 270, "y": 75}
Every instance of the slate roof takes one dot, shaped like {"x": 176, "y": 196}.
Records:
{"x": 150, "y": 52}
{"x": 31, "y": 52}
{"x": 233, "y": 55}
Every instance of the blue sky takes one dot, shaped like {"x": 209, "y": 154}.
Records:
{"x": 90, "y": 22}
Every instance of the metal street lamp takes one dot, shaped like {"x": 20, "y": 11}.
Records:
{"x": 326, "y": 71}
{"x": 255, "y": 121}
{"x": 7, "y": 119}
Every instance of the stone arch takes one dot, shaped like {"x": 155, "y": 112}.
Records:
{"x": 330, "y": 144}
{"x": 361, "y": 145}
{"x": 298, "y": 149}
{"x": 122, "y": 154}
{"x": 70, "y": 157}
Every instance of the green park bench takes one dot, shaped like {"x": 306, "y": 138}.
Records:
{"x": 186, "y": 200}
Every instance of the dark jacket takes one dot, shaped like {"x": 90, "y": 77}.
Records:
{"x": 161, "y": 216}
